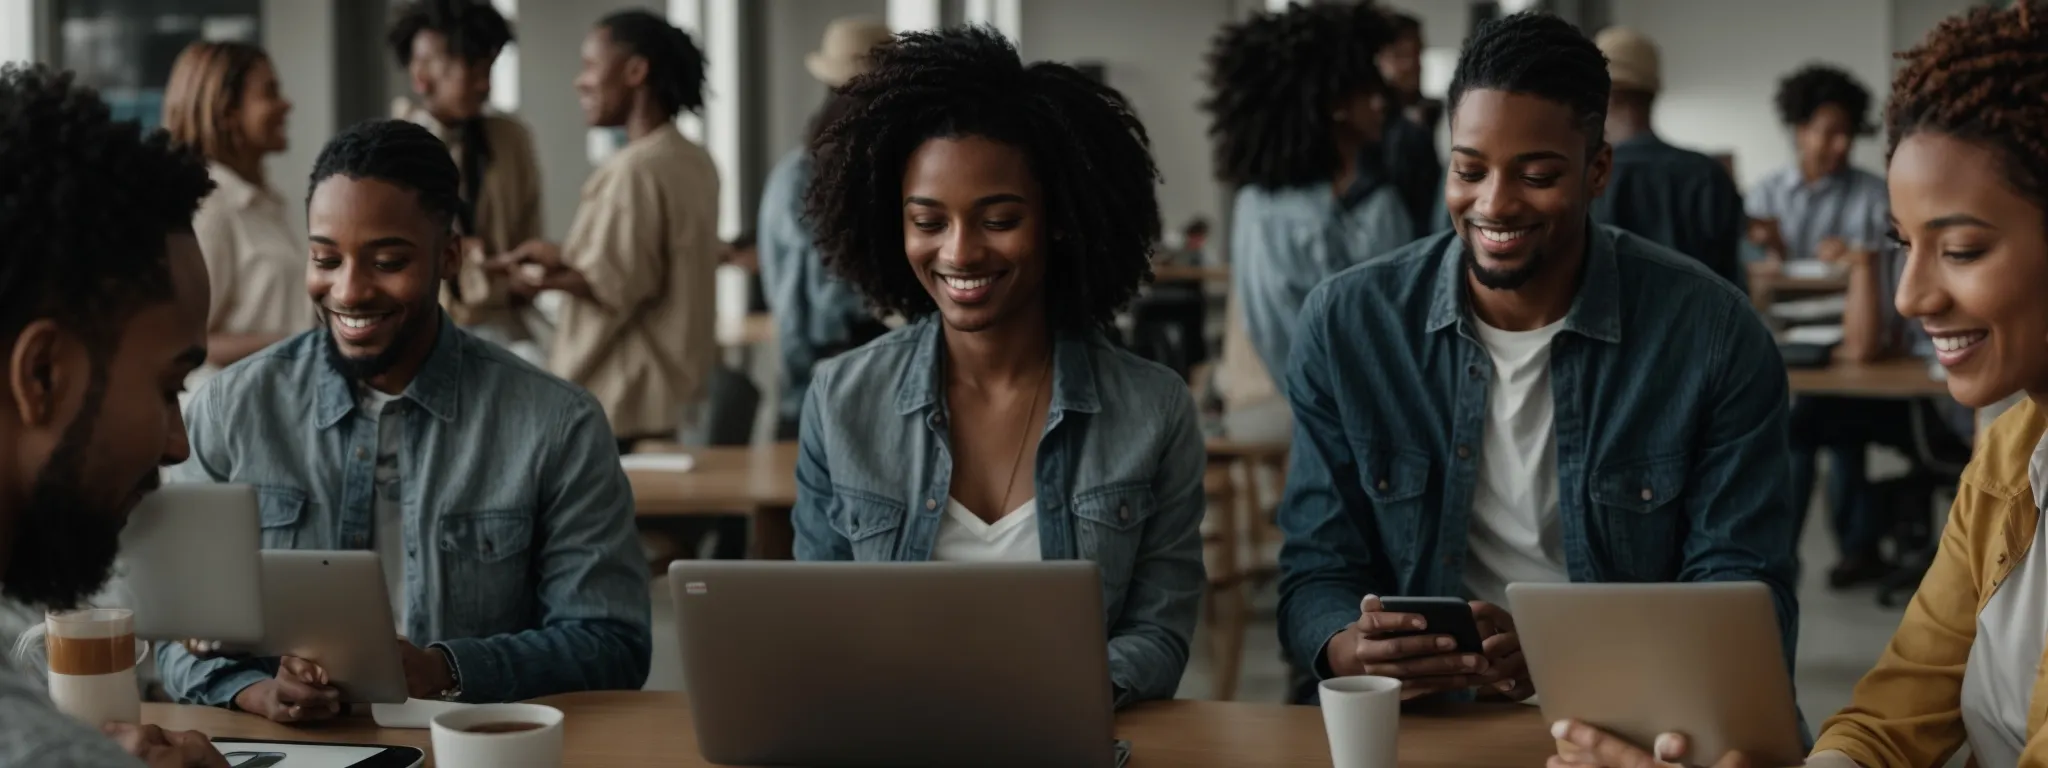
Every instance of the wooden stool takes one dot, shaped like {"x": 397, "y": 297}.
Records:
{"x": 1237, "y": 533}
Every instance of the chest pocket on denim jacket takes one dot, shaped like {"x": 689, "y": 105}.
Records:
{"x": 485, "y": 557}
{"x": 1396, "y": 480}
{"x": 1109, "y": 528}
{"x": 281, "y": 511}
{"x": 869, "y": 525}
{"x": 1641, "y": 515}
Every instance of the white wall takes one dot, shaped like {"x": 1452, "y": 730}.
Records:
{"x": 793, "y": 30}
{"x": 17, "y": 30}
{"x": 299, "y": 35}
{"x": 1153, "y": 51}
{"x": 1723, "y": 59}
{"x": 1913, "y": 19}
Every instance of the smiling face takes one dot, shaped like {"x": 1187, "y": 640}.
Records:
{"x": 263, "y": 109}
{"x": 453, "y": 89}
{"x": 610, "y": 75}
{"x": 1976, "y": 258}
{"x": 1521, "y": 181}
{"x": 974, "y": 232}
{"x": 377, "y": 263}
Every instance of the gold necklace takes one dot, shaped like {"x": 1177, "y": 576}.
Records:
{"x": 1017, "y": 461}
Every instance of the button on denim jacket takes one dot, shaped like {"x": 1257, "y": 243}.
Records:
{"x": 521, "y": 556}
{"x": 1118, "y": 481}
{"x": 1672, "y": 455}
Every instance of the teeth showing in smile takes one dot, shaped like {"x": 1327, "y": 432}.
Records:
{"x": 966, "y": 283}
{"x": 358, "y": 322}
{"x": 1957, "y": 342}
{"x": 1502, "y": 235}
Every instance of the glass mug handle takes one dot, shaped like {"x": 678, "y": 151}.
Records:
{"x": 28, "y": 654}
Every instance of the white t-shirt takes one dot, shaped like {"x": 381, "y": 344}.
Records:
{"x": 964, "y": 538}
{"x": 1515, "y": 534}
{"x": 1998, "y": 680}
{"x": 389, "y": 528}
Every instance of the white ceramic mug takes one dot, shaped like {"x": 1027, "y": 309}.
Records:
{"x": 90, "y": 656}
{"x": 1362, "y": 715}
{"x": 457, "y": 744}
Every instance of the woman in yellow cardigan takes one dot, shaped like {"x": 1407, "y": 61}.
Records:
{"x": 1968, "y": 126}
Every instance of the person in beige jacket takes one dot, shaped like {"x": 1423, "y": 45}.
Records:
{"x": 636, "y": 325}
{"x": 447, "y": 49}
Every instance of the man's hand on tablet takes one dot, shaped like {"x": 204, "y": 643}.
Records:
{"x": 1425, "y": 664}
{"x": 299, "y": 693}
{"x": 1584, "y": 746}
{"x": 158, "y": 748}
{"x": 1507, "y": 673}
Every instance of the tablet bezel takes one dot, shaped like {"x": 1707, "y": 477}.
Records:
{"x": 393, "y": 756}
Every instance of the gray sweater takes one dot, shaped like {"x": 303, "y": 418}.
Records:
{"x": 34, "y": 733}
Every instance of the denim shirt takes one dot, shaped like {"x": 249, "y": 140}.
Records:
{"x": 1285, "y": 241}
{"x": 1118, "y": 478}
{"x": 1672, "y": 453}
{"x": 521, "y": 558}
{"x": 813, "y": 308}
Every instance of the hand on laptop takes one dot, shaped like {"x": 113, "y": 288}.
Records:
{"x": 1425, "y": 664}
{"x": 428, "y": 672}
{"x": 158, "y": 748}
{"x": 1507, "y": 674}
{"x": 1581, "y": 745}
{"x": 299, "y": 693}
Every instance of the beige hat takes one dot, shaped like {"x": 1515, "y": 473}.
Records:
{"x": 844, "y": 53}
{"x": 1631, "y": 59}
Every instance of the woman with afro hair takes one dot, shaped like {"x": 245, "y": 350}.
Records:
{"x": 1007, "y": 211}
{"x": 1968, "y": 182}
{"x": 1299, "y": 113}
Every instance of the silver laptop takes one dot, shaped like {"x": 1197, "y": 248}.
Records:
{"x": 837, "y": 665}
{"x": 1704, "y": 659}
{"x": 189, "y": 565}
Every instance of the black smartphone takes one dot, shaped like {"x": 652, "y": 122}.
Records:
{"x": 1443, "y": 615}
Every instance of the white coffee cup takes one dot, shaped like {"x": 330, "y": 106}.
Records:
{"x": 90, "y": 656}
{"x": 1362, "y": 715}
{"x": 457, "y": 743}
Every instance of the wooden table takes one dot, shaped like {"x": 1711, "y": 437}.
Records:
{"x": 1897, "y": 378}
{"x": 617, "y": 729}
{"x": 758, "y": 481}
{"x": 1766, "y": 282}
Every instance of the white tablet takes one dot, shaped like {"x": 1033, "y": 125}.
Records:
{"x": 248, "y": 753}
{"x": 189, "y": 566}
{"x": 1643, "y": 659}
{"x": 330, "y": 608}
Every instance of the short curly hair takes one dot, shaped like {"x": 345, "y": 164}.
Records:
{"x": 1540, "y": 55}
{"x": 675, "y": 65}
{"x": 1273, "y": 81}
{"x": 1982, "y": 78}
{"x": 398, "y": 152}
{"x": 474, "y": 28}
{"x": 1804, "y": 92}
{"x": 85, "y": 205}
{"x": 1085, "y": 146}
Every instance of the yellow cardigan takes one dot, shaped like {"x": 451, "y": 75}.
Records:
{"x": 1908, "y": 711}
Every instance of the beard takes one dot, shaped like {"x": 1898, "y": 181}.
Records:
{"x": 1507, "y": 279}
{"x": 360, "y": 369}
{"x": 64, "y": 541}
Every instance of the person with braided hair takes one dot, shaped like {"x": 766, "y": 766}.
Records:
{"x": 637, "y": 271}
{"x": 1967, "y": 130}
{"x": 447, "y": 49}
{"x": 1008, "y": 211}
{"x": 1299, "y": 112}
{"x": 1530, "y": 397}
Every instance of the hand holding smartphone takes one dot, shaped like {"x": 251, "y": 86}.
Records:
{"x": 1442, "y": 616}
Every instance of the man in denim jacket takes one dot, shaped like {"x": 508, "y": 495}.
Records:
{"x": 491, "y": 490}
{"x": 1528, "y": 398}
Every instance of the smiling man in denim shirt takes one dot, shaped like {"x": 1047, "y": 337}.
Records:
{"x": 1528, "y": 398}
{"x": 491, "y": 491}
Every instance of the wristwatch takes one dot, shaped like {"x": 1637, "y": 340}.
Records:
{"x": 454, "y": 690}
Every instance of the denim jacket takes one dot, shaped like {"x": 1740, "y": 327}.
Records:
{"x": 1670, "y": 405}
{"x": 1118, "y": 481}
{"x": 521, "y": 556}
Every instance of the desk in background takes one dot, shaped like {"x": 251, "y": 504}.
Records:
{"x": 635, "y": 729}
{"x": 757, "y": 481}
{"x": 1896, "y": 378}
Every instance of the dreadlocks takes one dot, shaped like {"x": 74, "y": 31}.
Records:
{"x": 1982, "y": 78}
{"x": 1274, "y": 81}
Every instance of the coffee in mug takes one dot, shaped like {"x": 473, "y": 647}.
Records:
{"x": 502, "y": 727}
{"x": 498, "y": 736}
{"x": 91, "y": 656}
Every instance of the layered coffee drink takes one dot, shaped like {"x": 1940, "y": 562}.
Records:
{"x": 91, "y": 656}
